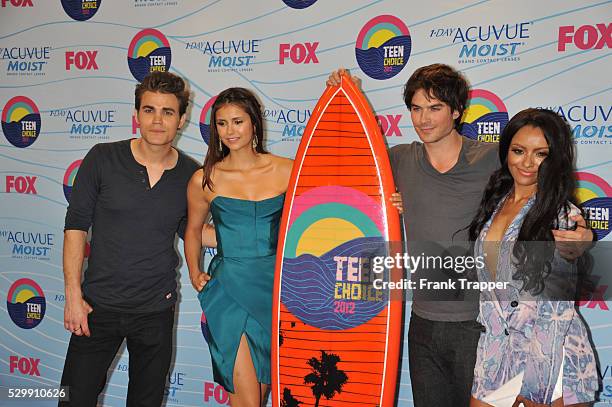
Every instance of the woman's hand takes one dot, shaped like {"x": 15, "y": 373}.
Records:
{"x": 199, "y": 280}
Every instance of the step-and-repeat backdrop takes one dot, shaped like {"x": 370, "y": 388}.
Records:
{"x": 67, "y": 74}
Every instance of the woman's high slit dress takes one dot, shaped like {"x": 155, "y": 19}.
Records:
{"x": 238, "y": 298}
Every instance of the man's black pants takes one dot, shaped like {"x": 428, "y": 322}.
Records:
{"x": 149, "y": 343}
{"x": 442, "y": 356}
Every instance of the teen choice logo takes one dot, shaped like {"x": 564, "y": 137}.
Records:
{"x": 333, "y": 234}
{"x": 81, "y": 10}
{"x": 205, "y": 120}
{"x": 69, "y": 177}
{"x": 595, "y": 195}
{"x": 383, "y": 47}
{"x": 21, "y": 121}
{"x": 26, "y": 303}
{"x": 299, "y": 3}
{"x": 485, "y": 116}
{"x": 149, "y": 52}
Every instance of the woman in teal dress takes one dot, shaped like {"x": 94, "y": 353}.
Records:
{"x": 243, "y": 187}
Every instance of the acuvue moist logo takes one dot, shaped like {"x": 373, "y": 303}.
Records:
{"x": 591, "y": 122}
{"x": 486, "y": 43}
{"x": 292, "y": 121}
{"x": 149, "y": 52}
{"x": 228, "y": 55}
{"x": 383, "y": 47}
{"x": 26, "y": 303}
{"x": 26, "y": 61}
{"x": 21, "y": 121}
{"x": 81, "y": 10}
{"x": 485, "y": 116}
{"x": 28, "y": 245}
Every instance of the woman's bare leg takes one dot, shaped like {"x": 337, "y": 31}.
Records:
{"x": 248, "y": 392}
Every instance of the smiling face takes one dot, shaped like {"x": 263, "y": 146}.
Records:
{"x": 158, "y": 118}
{"x": 526, "y": 152}
{"x": 433, "y": 119}
{"x": 234, "y": 127}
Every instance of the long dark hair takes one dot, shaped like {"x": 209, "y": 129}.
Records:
{"x": 244, "y": 99}
{"x": 556, "y": 186}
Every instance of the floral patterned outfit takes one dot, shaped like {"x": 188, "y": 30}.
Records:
{"x": 530, "y": 335}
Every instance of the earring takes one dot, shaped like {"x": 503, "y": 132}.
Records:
{"x": 220, "y": 145}
{"x": 254, "y": 142}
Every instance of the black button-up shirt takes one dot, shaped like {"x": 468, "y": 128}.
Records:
{"x": 132, "y": 264}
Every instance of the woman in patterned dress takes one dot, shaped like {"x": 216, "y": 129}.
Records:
{"x": 535, "y": 349}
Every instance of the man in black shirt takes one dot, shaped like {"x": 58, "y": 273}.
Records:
{"x": 132, "y": 193}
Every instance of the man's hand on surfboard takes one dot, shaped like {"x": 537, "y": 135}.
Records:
{"x": 335, "y": 77}
{"x": 199, "y": 280}
{"x": 396, "y": 200}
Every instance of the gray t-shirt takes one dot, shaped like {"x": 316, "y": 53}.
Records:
{"x": 437, "y": 209}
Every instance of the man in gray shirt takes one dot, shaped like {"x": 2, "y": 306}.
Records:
{"x": 441, "y": 180}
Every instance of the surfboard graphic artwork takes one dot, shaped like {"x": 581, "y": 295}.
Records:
{"x": 335, "y": 338}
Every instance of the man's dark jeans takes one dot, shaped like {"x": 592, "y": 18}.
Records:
{"x": 149, "y": 343}
{"x": 442, "y": 356}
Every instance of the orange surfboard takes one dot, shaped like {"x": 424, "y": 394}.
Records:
{"x": 335, "y": 336}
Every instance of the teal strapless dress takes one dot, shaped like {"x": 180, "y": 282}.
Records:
{"x": 238, "y": 298}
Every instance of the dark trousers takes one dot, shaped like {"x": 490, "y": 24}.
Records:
{"x": 442, "y": 356}
{"x": 149, "y": 343}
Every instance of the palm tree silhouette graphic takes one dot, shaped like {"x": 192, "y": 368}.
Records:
{"x": 325, "y": 377}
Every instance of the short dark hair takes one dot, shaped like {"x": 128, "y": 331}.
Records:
{"x": 442, "y": 82}
{"x": 163, "y": 82}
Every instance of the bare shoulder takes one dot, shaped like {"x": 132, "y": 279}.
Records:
{"x": 282, "y": 169}
{"x": 282, "y": 163}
